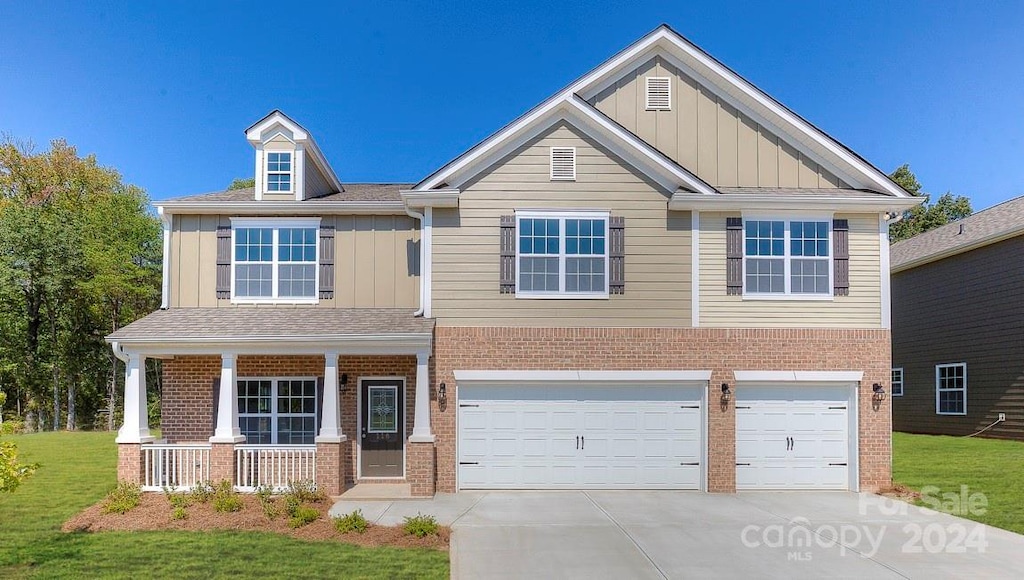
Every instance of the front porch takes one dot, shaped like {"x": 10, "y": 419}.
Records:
{"x": 335, "y": 410}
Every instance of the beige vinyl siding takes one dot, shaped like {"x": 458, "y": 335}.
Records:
{"x": 316, "y": 184}
{"x": 861, "y": 309}
{"x": 376, "y": 261}
{"x": 708, "y": 136}
{"x": 466, "y": 244}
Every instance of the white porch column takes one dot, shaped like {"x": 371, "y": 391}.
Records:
{"x": 135, "y": 428}
{"x": 421, "y": 423}
{"x": 227, "y": 430}
{"x": 330, "y": 415}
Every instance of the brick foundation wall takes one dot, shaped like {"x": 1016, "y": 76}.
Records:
{"x": 720, "y": 350}
{"x": 420, "y": 469}
{"x": 129, "y": 463}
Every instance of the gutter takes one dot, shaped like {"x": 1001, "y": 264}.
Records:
{"x": 690, "y": 201}
{"x": 165, "y": 286}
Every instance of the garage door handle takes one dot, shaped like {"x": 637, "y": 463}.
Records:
{"x": 742, "y": 464}
{"x": 836, "y": 464}
{"x": 467, "y": 405}
{"x": 692, "y": 463}
{"x": 583, "y": 442}
{"x": 469, "y": 463}
{"x": 738, "y": 407}
{"x": 577, "y": 443}
{"x": 831, "y": 408}
{"x": 689, "y": 406}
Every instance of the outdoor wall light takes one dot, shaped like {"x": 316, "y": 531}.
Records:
{"x": 726, "y": 393}
{"x": 878, "y": 393}
{"x": 344, "y": 379}
{"x": 442, "y": 392}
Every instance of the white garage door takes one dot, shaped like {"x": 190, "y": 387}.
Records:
{"x": 792, "y": 437}
{"x": 579, "y": 436}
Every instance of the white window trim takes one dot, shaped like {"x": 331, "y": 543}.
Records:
{"x": 267, "y": 172}
{"x": 787, "y": 219}
{"x": 551, "y": 164}
{"x": 647, "y": 94}
{"x": 274, "y": 381}
{"x": 892, "y": 382}
{"x": 276, "y": 224}
{"x": 937, "y": 389}
{"x": 562, "y": 216}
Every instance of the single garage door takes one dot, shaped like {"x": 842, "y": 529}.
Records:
{"x": 580, "y": 436}
{"x": 792, "y": 437}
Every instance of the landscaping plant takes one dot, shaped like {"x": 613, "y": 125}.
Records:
{"x": 304, "y": 515}
{"x": 123, "y": 498}
{"x": 226, "y": 499}
{"x": 12, "y": 473}
{"x": 353, "y": 522}
{"x": 420, "y": 525}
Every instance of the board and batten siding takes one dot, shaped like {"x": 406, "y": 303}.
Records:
{"x": 962, "y": 309}
{"x": 861, "y": 309}
{"x": 466, "y": 242}
{"x": 708, "y": 136}
{"x": 376, "y": 262}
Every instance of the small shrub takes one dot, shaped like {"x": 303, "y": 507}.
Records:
{"x": 305, "y": 491}
{"x": 225, "y": 499}
{"x": 123, "y": 498}
{"x": 178, "y": 499}
{"x": 12, "y": 427}
{"x": 291, "y": 505}
{"x": 353, "y": 522}
{"x": 304, "y": 515}
{"x": 265, "y": 495}
{"x": 202, "y": 492}
{"x": 12, "y": 471}
{"x": 420, "y": 525}
{"x": 179, "y": 513}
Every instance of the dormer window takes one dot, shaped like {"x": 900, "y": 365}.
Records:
{"x": 279, "y": 172}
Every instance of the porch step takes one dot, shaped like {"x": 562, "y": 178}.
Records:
{"x": 378, "y": 491}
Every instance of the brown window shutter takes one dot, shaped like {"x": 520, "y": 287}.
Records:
{"x": 223, "y": 262}
{"x": 616, "y": 255}
{"x": 507, "y": 284}
{"x": 326, "y": 262}
{"x": 841, "y": 257}
{"x": 734, "y": 256}
{"x": 216, "y": 404}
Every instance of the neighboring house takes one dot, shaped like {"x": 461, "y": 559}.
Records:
{"x": 659, "y": 277}
{"x": 958, "y": 326}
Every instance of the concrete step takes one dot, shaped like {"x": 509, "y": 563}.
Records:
{"x": 377, "y": 491}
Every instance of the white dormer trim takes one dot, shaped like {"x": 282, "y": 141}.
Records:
{"x": 277, "y": 123}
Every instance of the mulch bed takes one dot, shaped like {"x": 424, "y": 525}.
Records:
{"x": 154, "y": 513}
{"x": 901, "y": 492}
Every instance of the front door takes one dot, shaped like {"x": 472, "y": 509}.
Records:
{"x": 382, "y": 433}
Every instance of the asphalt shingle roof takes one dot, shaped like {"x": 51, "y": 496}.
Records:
{"x": 1004, "y": 219}
{"x": 277, "y": 322}
{"x": 353, "y": 192}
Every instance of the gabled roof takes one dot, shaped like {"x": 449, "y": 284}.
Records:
{"x": 995, "y": 224}
{"x": 299, "y": 134}
{"x": 706, "y": 69}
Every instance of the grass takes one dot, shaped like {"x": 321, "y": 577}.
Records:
{"x": 991, "y": 467}
{"x": 78, "y": 469}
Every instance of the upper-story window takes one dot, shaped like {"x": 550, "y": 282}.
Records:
{"x": 279, "y": 171}
{"x": 787, "y": 257}
{"x": 562, "y": 255}
{"x": 274, "y": 260}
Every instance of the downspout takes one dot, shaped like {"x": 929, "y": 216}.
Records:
{"x": 118, "y": 351}
{"x": 423, "y": 245}
{"x": 165, "y": 287}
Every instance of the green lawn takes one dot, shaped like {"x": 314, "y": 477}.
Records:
{"x": 77, "y": 471}
{"x": 987, "y": 466}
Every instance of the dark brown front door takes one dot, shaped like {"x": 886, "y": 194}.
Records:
{"x": 381, "y": 436}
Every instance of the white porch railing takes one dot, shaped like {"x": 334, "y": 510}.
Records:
{"x": 178, "y": 467}
{"x": 273, "y": 465}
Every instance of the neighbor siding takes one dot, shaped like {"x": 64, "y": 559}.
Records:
{"x": 861, "y": 309}
{"x": 965, "y": 308}
{"x": 376, "y": 261}
{"x": 707, "y": 135}
{"x": 466, "y": 244}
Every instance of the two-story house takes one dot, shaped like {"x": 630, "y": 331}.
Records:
{"x": 659, "y": 277}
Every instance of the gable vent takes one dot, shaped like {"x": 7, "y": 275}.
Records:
{"x": 659, "y": 93}
{"x": 563, "y": 163}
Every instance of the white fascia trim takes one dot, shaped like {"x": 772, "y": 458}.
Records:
{"x": 404, "y": 344}
{"x": 883, "y": 272}
{"x": 468, "y": 376}
{"x": 782, "y": 202}
{"x": 165, "y": 285}
{"x": 312, "y": 208}
{"x": 668, "y": 40}
{"x": 433, "y": 198}
{"x": 798, "y": 376}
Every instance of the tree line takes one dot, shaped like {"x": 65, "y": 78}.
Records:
{"x": 80, "y": 256}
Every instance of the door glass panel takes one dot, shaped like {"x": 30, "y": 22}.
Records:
{"x": 383, "y": 410}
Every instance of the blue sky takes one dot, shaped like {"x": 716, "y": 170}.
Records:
{"x": 393, "y": 90}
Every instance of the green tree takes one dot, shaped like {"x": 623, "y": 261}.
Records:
{"x": 12, "y": 472}
{"x": 242, "y": 183}
{"x": 926, "y": 216}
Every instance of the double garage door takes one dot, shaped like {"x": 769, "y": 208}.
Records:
{"x": 580, "y": 436}
{"x": 649, "y": 436}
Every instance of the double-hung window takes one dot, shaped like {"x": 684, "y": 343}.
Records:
{"x": 277, "y": 411}
{"x": 951, "y": 389}
{"x": 279, "y": 172}
{"x": 896, "y": 385}
{"x": 562, "y": 255}
{"x": 275, "y": 260}
{"x": 787, "y": 258}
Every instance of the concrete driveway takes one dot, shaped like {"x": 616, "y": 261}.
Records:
{"x": 630, "y": 534}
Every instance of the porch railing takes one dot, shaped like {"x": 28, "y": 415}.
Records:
{"x": 177, "y": 467}
{"x": 273, "y": 465}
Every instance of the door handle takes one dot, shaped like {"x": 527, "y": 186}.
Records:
{"x": 577, "y": 443}
{"x": 583, "y": 442}
{"x": 789, "y": 443}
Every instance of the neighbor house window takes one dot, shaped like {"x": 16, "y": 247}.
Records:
{"x": 896, "y": 385}
{"x": 275, "y": 260}
{"x": 562, "y": 255}
{"x": 787, "y": 257}
{"x": 277, "y": 411}
{"x": 951, "y": 389}
{"x": 279, "y": 172}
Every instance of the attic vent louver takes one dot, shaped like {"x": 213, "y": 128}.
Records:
{"x": 563, "y": 163}
{"x": 659, "y": 93}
